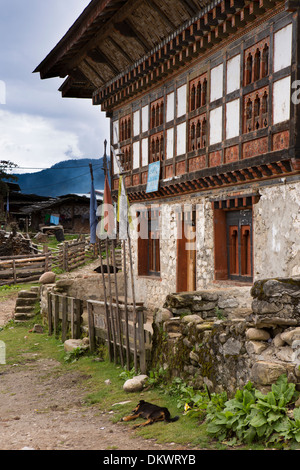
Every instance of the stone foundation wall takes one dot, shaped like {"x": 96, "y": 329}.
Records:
{"x": 191, "y": 342}
{"x": 82, "y": 287}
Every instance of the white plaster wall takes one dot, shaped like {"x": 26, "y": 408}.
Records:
{"x": 277, "y": 232}
{"x": 281, "y": 100}
{"x": 181, "y": 139}
{"x": 170, "y": 143}
{"x": 145, "y": 118}
{"x": 233, "y": 72}
{"x": 181, "y": 100}
{"x": 136, "y": 155}
{"x": 216, "y": 83}
{"x": 145, "y": 151}
{"x": 283, "y": 48}
{"x": 115, "y": 137}
{"x": 136, "y": 123}
{"x": 115, "y": 166}
{"x": 170, "y": 107}
{"x": 153, "y": 291}
{"x": 232, "y": 118}
{"x": 215, "y": 125}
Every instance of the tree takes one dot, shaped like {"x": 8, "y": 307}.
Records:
{"x": 6, "y": 165}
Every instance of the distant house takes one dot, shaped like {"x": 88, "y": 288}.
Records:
{"x": 71, "y": 211}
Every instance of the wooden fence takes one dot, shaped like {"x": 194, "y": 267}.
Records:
{"x": 23, "y": 268}
{"x": 64, "y": 316}
{"x": 123, "y": 331}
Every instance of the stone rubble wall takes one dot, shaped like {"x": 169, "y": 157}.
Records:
{"x": 193, "y": 339}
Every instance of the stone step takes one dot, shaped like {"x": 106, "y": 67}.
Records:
{"x": 27, "y": 294}
{"x": 35, "y": 289}
{"x": 23, "y": 316}
{"x": 24, "y": 309}
{"x": 25, "y": 301}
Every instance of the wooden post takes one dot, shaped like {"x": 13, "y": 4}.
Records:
{"x": 106, "y": 308}
{"x": 126, "y": 308}
{"x": 14, "y": 271}
{"x": 50, "y": 328}
{"x": 142, "y": 352}
{"x": 134, "y": 305}
{"x": 118, "y": 322}
{"x": 64, "y": 325}
{"x": 91, "y": 324}
{"x": 110, "y": 304}
{"x": 77, "y": 317}
{"x": 56, "y": 314}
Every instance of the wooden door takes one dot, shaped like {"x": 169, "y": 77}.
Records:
{"x": 186, "y": 254}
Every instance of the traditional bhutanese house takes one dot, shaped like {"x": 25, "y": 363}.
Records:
{"x": 209, "y": 89}
{"x": 71, "y": 211}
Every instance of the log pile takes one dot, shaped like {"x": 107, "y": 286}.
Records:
{"x": 14, "y": 244}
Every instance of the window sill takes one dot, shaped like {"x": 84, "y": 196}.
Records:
{"x": 148, "y": 276}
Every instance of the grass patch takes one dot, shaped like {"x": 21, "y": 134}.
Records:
{"x": 24, "y": 347}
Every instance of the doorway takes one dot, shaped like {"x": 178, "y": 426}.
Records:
{"x": 186, "y": 252}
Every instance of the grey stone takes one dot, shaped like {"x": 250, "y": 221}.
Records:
{"x": 291, "y": 335}
{"x": 266, "y": 373}
{"x": 136, "y": 384}
{"x": 256, "y": 347}
{"x": 257, "y": 334}
{"x": 232, "y": 347}
{"x": 47, "y": 278}
{"x": 192, "y": 319}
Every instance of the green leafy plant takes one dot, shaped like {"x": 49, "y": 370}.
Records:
{"x": 253, "y": 416}
{"x": 75, "y": 354}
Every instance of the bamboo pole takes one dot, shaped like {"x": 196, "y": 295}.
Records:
{"x": 106, "y": 308}
{"x": 110, "y": 303}
{"x": 126, "y": 308}
{"x": 118, "y": 322}
{"x": 134, "y": 305}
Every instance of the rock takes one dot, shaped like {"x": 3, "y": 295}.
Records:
{"x": 278, "y": 341}
{"x": 232, "y": 347}
{"x": 228, "y": 303}
{"x": 192, "y": 319}
{"x": 290, "y": 336}
{"x": 47, "y": 278}
{"x": 284, "y": 354}
{"x": 136, "y": 384}
{"x": 266, "y": 373}
{"x": 257, "y": 334}
{"x": 203, "y": 306}
{"x": 71, "y": 344}
{"x": 172, "y": 326}
{"x": 256, "y": 347}
{"x": 162, "y": 315}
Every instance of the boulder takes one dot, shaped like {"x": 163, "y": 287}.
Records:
{"x": 71, "y": 344}
{"x": 266, "y": 373}
{"x": 47, "y": 278}
{"x": 136, "y": 384}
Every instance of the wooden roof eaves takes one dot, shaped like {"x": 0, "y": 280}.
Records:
{"x": 233, "y": 7}
{"x": 75, "y": 33}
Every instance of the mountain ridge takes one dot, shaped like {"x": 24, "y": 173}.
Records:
{"x": 66, "y": 177}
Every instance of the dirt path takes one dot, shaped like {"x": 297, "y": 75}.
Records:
{"x": 42, "y": 408}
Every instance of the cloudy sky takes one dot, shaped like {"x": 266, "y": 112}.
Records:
{"x": 37, "y": 126}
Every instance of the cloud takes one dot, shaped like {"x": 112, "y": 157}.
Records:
{"x": 31, "y": 141}
{"x": 37, "y": 126}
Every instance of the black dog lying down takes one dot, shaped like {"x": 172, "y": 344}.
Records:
{"x": 105, "y": 269}
{"x": 152, "y": 413}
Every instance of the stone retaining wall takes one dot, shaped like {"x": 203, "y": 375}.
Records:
{"x": 197, "y": 342}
